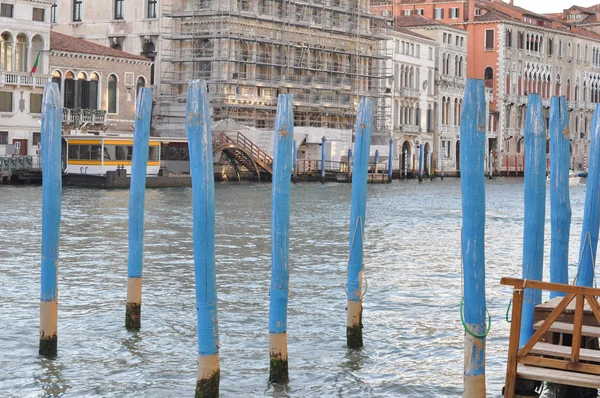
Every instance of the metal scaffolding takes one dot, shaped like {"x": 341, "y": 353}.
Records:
{"x": 326, "y": 53}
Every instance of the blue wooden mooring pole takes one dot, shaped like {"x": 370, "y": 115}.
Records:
{"x": 560, "y": 205}
{"x": 420, "y": 162}
{"x": 349, "y": 165}
{"x": 203, "y": 200}
{"x": 376, "y": 161}
{"x": 472, "y": 141}
{"x": 390, "y": 159}
{"x": 591, "y": 212}
{"x": 51, "y": 132}
{"x": 362, "y": 145}
{"x": 535, "y": 207}
{"x": 141, "y": 137}
{"x": 323, "y": 141}
{"x": 280, "y": 230}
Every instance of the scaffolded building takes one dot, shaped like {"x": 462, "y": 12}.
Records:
{"x": 324, "y": 52}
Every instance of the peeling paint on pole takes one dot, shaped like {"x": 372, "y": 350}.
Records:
{"x": 560, "y": 204}
{"x": 362, "y": 145}
{"x": 203, "y": 198}
{"x": 280, "y": 230}
{"x": 141, "y": 137}
{"x": 535, "y": 208}
{"x": 472, "y": 154}
{"x": 51, "y": 136}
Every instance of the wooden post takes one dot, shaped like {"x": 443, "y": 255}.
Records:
{"x": 51, "y": 207}
{"x": 203, "y": 199}
{"x": 405, "y": 163}
{"x": 560, "y": 205}
{"x": 362, "y": 144}
{"x": 323, "y": 141}
{"x": 376, "y": 161}
{"x": 507, "y": 173}
{"x": 141, "y": 137}
{"x": 390, "y": 158}
{"x": 472, "y": 182}
{"x": 443, "y": 156}
{"x": 349, "y": 165}
{"x": 516, "y": 165}
{"x": 284, "y": 131}
{"x": 591, "y": 212}
{"x": 535, "y": 206}
{"x": 295, "y": 163}
{"x": 420, "y": 162}
{"x": 513, "y": 344}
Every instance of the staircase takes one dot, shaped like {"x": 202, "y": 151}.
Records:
{"x": 241, "y": 151}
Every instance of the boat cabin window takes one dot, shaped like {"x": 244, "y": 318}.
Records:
{"x": 84, "y": 152}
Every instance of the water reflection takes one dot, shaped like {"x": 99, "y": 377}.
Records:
{"x": 51, "y": 378}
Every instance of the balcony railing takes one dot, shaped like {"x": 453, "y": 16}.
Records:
{"x": 409, "y": 92}
{"x": 23, "y": 79}
{"x": 90, "y": 116}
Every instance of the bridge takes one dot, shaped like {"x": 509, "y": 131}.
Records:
{"x": 242, "y": 152}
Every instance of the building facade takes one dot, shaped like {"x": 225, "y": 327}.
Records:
{"x": 249, "y": 52}
{"x": 98, "y": 84}
{"x": 24, "y": 71}
{"x": 518, "y": 52}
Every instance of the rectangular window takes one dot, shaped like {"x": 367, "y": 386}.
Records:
{"x": 77, "y": 10}
{"x": 38, "y": 14}
{"x": 478, "y": 11}
{"x": 509, "y": 38}
{"x": 35, "y": 103}
{"x": 37, "y": 137}
{"x": 3, "y": 137}
{"x": 6, "y": 10}
{"x": 152, "y": 8}
{"x": 430, "y": 53}
{"x": 53, "y": 13}
{"x": 407, "y": 12}
{"x": 6, "y": 101}
{"x": 489, "y": 39}
{"x": 418, "y": 53}
{"x": 119, "y": 12}
{"x": 419, "y": 11}
{"x": 439, "y": 13}
{"x": 454, "y": 12}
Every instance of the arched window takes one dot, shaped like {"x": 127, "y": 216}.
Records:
{"x": 82, "y": 91}
{"x": 57, "y": 78}
{"x": 488, "y": 76}
{"x": 141, "y": 82}
{"x": 6, "y": 52}
{"x": 508, "y": 88}
{"x": 69, "y": 95}
{"x": 578, "y": 52}
{"x": 21, "y": 53}
{"x": 557, "y": 88}
{"x": 37, "y": 53}
{"x": 94, "y": 82}
{"x": 112, "y": 94}
{"x": 149, "y": 51}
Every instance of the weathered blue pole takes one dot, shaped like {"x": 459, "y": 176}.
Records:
{"x": 141, "y": 137}
{"x": 472, "y": 140}
{"x": 51, "y": 206}
{"x": 535, "y": 207}
{"x": 591, "y": 212}
{"x": 376, "y": 161}
{"x": 284, "y": 131}
{"x": 323, "y": 140}
{"x": 203, "y": 198}
{"x": 405, "y": 163}
{"x": 560, "y": 205}
{"x": 390, "y": 158}
{"x": 295, "y": 163}
{"x": 420, "y": 162}
{"x": 443, "y": 153}
{"x": 362, "y": 145}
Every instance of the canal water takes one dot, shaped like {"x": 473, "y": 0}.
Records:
{"x": 412, "y": 330}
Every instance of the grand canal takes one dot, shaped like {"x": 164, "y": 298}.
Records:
{"x": 412, "y": 330}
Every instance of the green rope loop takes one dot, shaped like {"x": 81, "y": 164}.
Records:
{"x": 508, "y": 310}
{"x": 462, "y": 319}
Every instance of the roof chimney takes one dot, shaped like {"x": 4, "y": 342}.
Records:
{"x": 471, "y": 10}
{"x": 512, "y": 2}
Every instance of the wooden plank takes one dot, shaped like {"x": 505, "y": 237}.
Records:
{"x": 585, "y": 369}
{"x": 577, "y": 325}
{"x": 558, "y": 376}
{"x": 546, "y": 324}
{"x": 513, "y": 344}
{"x": 564, "y": 351}
{"x": 593, "y": 303}
{"x": 555, "y": 287}
{"x": 562, "y": 327}
{"x": 550, "y": 305}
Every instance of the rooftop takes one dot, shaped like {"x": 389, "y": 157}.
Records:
{"x": 61, "y": 42}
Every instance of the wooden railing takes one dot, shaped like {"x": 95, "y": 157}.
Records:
{"x": 543, "y": 361}
{"x": 257, "y": 154}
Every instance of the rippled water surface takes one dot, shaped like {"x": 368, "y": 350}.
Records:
{"x": 412, "y": 330}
